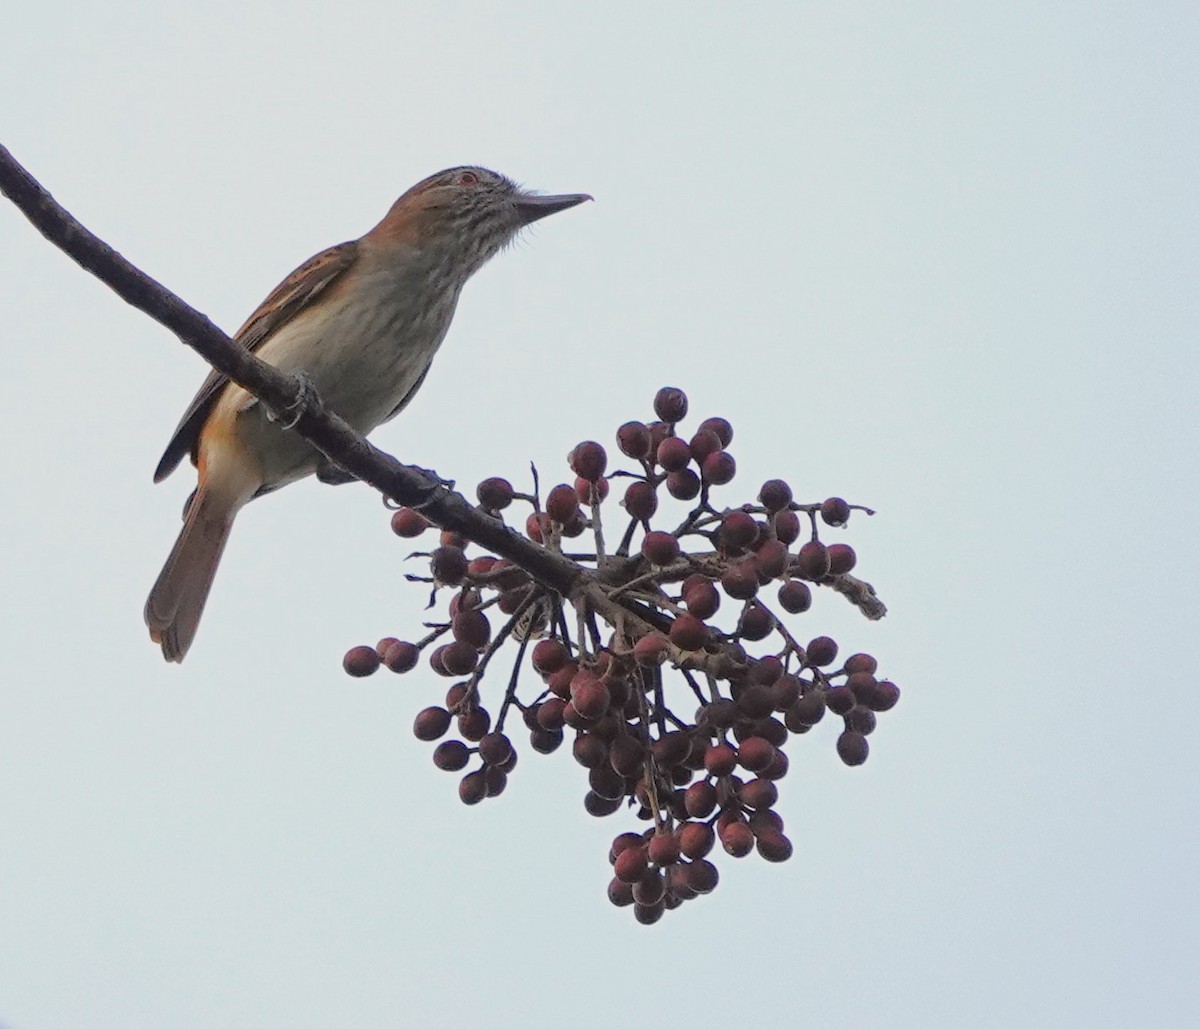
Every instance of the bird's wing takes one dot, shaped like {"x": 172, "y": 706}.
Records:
{"x": 296, "y": 293}
{"x": 410, "y": 394}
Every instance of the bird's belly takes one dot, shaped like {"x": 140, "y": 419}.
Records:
{"x": 363, "y": 365}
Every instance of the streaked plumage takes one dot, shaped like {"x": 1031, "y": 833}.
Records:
{"x": 362, "y": 320}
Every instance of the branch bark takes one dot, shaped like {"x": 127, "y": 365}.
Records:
{"x": 329, "y": 433}
{"x": 326, "y": 431}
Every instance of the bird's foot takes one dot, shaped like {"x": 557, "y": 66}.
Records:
{"x": 307, "y": 399}
{"x": 334, "y": 475}
{"x": 431, "y": 491}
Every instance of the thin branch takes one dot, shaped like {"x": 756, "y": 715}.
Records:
{"x": 322, "y": 428}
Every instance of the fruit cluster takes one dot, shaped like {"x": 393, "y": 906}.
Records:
{"x": 671, "y": 668}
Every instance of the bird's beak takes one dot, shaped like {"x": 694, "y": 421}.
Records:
{"x": 531, "y": 207}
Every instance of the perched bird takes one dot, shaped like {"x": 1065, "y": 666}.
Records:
{"x": 362, "y": 321}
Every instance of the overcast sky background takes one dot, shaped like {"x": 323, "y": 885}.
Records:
{"x": 936, "y": 258}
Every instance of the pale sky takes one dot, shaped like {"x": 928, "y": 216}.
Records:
{"x": 940, "y": 259}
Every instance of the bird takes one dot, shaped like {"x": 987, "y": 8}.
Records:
{"x": 360, "y": 322}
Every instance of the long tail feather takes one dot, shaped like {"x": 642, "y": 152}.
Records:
{"x": 176, "y": 602}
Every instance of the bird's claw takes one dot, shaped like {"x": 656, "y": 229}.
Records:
{"x": 306, "y": 400}
{"x": 432, "y": 491}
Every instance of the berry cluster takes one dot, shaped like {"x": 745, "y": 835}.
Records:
{"x": 671, "y": 668}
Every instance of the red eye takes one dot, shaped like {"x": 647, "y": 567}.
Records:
{"x": 468, "y": 178}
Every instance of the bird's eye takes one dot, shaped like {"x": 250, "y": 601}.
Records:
{"x": 468, "y": 178}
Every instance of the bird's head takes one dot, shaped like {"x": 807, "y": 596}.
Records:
{"x": 469, "y": 212}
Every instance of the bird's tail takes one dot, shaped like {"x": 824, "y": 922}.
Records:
{"x": 176, "y": 602}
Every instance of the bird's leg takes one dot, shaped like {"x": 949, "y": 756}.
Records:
{"x": 334, "y": 474}
{"x": 307, "y": 399}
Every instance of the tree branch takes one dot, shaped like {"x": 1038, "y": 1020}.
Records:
{"x": 322, "y": 428}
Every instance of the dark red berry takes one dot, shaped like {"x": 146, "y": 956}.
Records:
{"x": 589, "y": 750}
{"x": 703, "y": 876}
{"x": 537, "y": 526}
{"x": 863, "y": 685}
{"x": 598, "y": 806}
{"x": 740, "y": 581}
{"x": 756, "y": 622}
{"x": 458, "y": 658}
{"x": 718, "y": 468}
{"x": 821, "y": 651}
{"x": 591, "y": 492}
{"x": 449, "y": 565}
{"x": 360, "y": 661}
{"x": 773, "y": 845}
{"x": 562, "y": 504}
{"x": 861, "y": 719}
{"x": 852, "y": 747}
{"x": 806, "y": 711}
{"x": 778, "y": 767}
{"x": 861, "y": 663}
{"x": 471, "y": 628}
{"x": 841, "y": 558}
{"x": 700, "y": 799}
{"x": 589, "y": 695}
{"x": 758, "y": 793}
{"x": 738, "y": 531}
{"x": 737, "y": 839}
{"x": 409, "y": 523}
{"x": 720, "y": 759}
{"x": 495, "y": 748}
{"x": 770, "y": 560}
{"x": 474, "y": 724}
{"x": 640, "y": 500}
{"x": 795, "y": 597}
{"x": 451, "y": 755}
{"x": 755, "y": 701}
{"x": 507, "y": 576}
{"x": 670, "y": 404}
{"x": 494, "y": 494}
{"x": 688, "y": 632}
{"x": 663, "y": 848}
{"x": 722, "y": 428}
{"x": 839, "y": 699}
{"x": 775, "y": 495}
{"x": 606, "y": 783}
{"x": 431, "y": 723}
{"x": 546, "y": 741}
{"x": 787, "y": 526}
{"x": 696, "y": 839}
{"x": 835, "y": 511}
{"x": 683, "y": 484}
{"x": 472, "y": 788}
{"x": 705, "y": 442}
{"x": 701, "y": 598}
{"x": 619, "y": 893}
{"x": 589, "y": 460}
{"x": 625, "y": 756}
{"x": 634, "y": 440}
{"x": 648, "y": 915}
{"x": 672, "y": 749}
{"x": 630, "y": 864}
{"x": 884, "y": 696}
{"x": 755, "y": 754}
{"x": 660, "y": 548}
{"x": 649, "y": 889}
{"x": 402, "y": 656}
{"x": 549, "y": 656}
{"x": 652, "y": 649}
{"x": 813, "y": 560}
{"x": 673, "y": 454}
{"x": 785, "y": 691}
